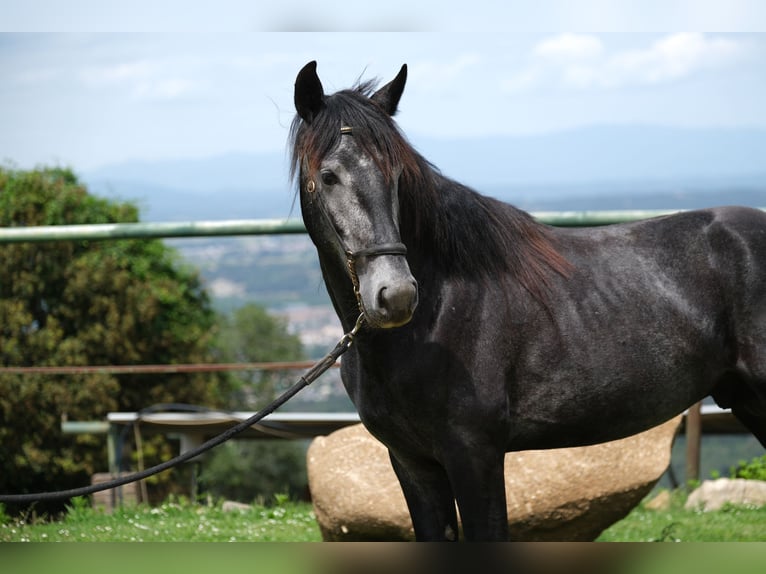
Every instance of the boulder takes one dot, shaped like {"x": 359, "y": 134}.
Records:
{"x": 662, "y": 501}
{"x": 570, "y": 494}
{"x": 354, "y": 491}
{"x": 234, "y": 506}
{"x": 714, "y": 494}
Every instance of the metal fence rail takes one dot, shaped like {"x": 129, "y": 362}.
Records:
{"x": 108, "y": 231}
{"x": 151, "y": 230}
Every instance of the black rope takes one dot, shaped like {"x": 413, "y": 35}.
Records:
{"x": 311, "y": 375}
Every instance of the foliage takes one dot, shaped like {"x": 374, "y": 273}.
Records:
{"x": 252, "y": 335}
{"x": 261, "y": 470}
{"x": 68, "y": 303}
{"x": 753, "y": 470}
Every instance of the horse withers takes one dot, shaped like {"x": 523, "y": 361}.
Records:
{"x": 485, "y": 331}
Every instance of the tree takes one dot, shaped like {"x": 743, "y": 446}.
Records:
{"x": 87, "y": 303}
{"x": 256, "y": 469}
{"x": 251, "y": 335}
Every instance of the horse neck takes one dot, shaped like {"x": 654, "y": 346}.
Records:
{"x": 454, "y": 232}
{"x": 437, "y": 215}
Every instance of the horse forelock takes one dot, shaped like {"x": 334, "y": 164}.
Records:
{"x": 373, "y": 129}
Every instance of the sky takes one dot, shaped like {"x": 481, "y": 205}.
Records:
{"x": 83, "y": 87}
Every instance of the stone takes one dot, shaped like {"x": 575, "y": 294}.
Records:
{"x": 568, "y": 494}
{"x": 714, "y": 494}
{"x": 234, "y": 506}
{"x": 660, "y": 502}
{"x": 355, "y": 493}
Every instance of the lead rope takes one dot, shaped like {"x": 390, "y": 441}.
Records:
{"x": 311, "y": 375}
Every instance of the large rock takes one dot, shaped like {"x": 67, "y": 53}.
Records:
{"x": 564, "y": 494}
{"x": 714, "y": 494}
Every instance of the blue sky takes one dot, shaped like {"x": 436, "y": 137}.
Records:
{"x": 86, "y": 98}
{"x": 507, "y": 16}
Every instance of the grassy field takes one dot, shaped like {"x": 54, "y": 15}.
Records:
{"x": 173, "y": 521}
{"x": 181, "y": 521}
{"x": 676, "y": 524}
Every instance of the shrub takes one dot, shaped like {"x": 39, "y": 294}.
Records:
{"x": 753, "y": 470}
{"x": 255, "y": 470}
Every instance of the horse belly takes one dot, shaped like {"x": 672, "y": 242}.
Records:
{"x": 613, "y": 413}
{"x": 609, "y": 384}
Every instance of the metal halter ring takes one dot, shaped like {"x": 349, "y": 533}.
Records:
{"x": 311, "y": 186}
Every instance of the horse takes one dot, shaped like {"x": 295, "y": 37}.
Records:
{"x": 481, "y": 331}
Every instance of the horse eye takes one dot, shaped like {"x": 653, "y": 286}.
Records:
{"x": 329, "y": 178}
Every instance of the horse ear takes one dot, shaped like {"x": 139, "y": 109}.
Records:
{"x": 388, "y": 96}
{"x": 309, "y": 94}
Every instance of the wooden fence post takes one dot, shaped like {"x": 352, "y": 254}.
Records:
{"x": 693, "y": 442}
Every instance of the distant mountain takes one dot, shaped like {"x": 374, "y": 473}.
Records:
{"x": 267, "y": 170}
{"x": 602, "y": 154}
{"x": 234, "y": 186}
{"x": 159, "y": 203}
{"x": 587, "y": 168}
{"x": 668, "y": 194}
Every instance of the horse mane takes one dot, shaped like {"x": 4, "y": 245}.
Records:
{"x": 458, "y": 230}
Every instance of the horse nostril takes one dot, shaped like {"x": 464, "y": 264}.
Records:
{"x": 398, "y": 298}
{"x": 382, "y": 300}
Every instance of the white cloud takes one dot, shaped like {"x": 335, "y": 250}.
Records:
{"x": 141, "y": 79}
{"x": 432, "y": 75}
{"x": 105, "y": 75}
{"x": 580, "y": 61}
{"x": 569, "y": 48}
{"x": 568, "y": 56}
{"x": 669, "y": 58}
{"x": 163, "y": 89}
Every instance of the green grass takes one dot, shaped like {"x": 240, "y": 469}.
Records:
{"x": 181, "y": 521}
{"x": 676, "y": 524}
{"x": 173, "y": 521}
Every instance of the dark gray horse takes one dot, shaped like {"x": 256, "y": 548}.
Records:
{"x": 485, "y": 331}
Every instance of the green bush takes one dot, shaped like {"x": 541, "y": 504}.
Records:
{"x": 753, "y": 470}
{"x": 255, "y": 470}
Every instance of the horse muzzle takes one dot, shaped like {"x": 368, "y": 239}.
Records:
{"x": 389, "y": 292}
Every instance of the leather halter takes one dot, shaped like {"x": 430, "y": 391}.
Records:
{"x": 399, "y": 249}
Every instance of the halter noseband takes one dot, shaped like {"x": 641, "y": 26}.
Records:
{"x": 351, "y": 256}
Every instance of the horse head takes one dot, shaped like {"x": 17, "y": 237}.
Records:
{"x": 349, "y": 190}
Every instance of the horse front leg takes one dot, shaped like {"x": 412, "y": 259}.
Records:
{"x": 429, "y": 498}
{"x": 478, "y": 479}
